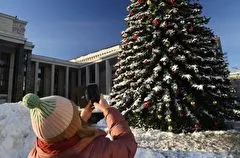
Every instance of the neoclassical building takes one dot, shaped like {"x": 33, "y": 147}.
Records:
{"x": 51, "y": 76}
{"x": 22, "y": 72}
{"x": 15, "y": 58}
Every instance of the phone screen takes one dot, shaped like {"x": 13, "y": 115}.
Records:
{"x": 92, "y": 93}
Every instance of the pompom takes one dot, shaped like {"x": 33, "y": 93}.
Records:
{"x": 31, "y": 101}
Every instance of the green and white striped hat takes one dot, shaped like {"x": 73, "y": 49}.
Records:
{"x": 53, "y": 118}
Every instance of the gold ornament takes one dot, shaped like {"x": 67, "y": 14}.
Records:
{"x": 193, "y": 103}
{"x": 149, "y": 2}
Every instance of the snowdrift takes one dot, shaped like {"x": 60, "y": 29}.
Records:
{"x": 17, "y": 138}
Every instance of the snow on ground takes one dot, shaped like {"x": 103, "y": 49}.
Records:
{"x": 200, "y": 144}
{"x": 218, "y": 141}
{"x": 17, "y": 138}
{"x": 209, "y": 144}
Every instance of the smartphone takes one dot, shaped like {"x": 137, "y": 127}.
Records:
{"x": 92, "y": 93}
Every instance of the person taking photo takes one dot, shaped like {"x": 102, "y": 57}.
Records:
{"x": 63, "y": 133}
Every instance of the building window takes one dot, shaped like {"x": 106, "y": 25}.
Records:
{"x": 92, "y": 74}
{"x": 102, "y": 77}
{"x": 59, "y": 83}
{"x": 83, "y": 76}
{"x": 4, "y": 72}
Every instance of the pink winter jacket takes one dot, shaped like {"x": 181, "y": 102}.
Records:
{"x": 98, "y": 146}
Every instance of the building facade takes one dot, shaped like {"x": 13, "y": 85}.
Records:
{"x": 51, "y": 76}
{"x": 22, "y": 72}
{"x": 98, "y": 67}
{"x": 15, "y": 55}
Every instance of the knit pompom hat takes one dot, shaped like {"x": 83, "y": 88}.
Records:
{"x": 53, "y": 118}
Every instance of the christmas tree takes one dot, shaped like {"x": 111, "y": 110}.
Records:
{"x": 171, "y": 74}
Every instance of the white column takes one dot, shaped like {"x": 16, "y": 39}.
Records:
{"x": 36, "y": 86}
{"x": 87, "y": 75}
{"x": 67, "y": 82}
{"x": 10, "y": 81}
{"x": 52, "y": 79}
{"x": 97, "y": 73}
{"x": 79, "y": 77}
{"x": 108, "y": 77}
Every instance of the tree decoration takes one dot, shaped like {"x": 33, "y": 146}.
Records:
{"x": 171, "y": 1}
{"x": 146, "y": 104}
{"x": 197, "y": 126}
{"x": 171, "y": 69}
{"x": 131, "y": 13}
{"x": 145, "y": 62}
{"x": 193, "y": 103}
{"x": 135, "y": 37}
{"x": 149, "y": 2}
{"x": 140, "y": 1}
{"x": 174, "y": 51}
{"x": 156, "y": 21}
{"x": 140, "y": 17}
{"x": 190, "y": 30}
{"x": 181, "y": 114}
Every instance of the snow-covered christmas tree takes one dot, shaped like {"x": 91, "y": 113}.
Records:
{"x": 171, "y": 74}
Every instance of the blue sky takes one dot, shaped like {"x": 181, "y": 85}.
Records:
{"x": 69, "y": 28}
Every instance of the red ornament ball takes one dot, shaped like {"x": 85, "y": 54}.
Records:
{"x": 135, "y": 37}
{"x": 140, "y": 1}
{"x": 197, "y": 126}
{"x": 156, "y": 22}
{"x": 190, "y": 29}
{"x": 146, "y": 104}
{"x": 175, "y": 71}
{"x": 181, "y": 114}
{"x": 145, "y": 62}
{"x": 131, "y": 13}
{"x": 171, "y": 1}
{"x": 140, "y": 17}
{"x": 174, "y": 51}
